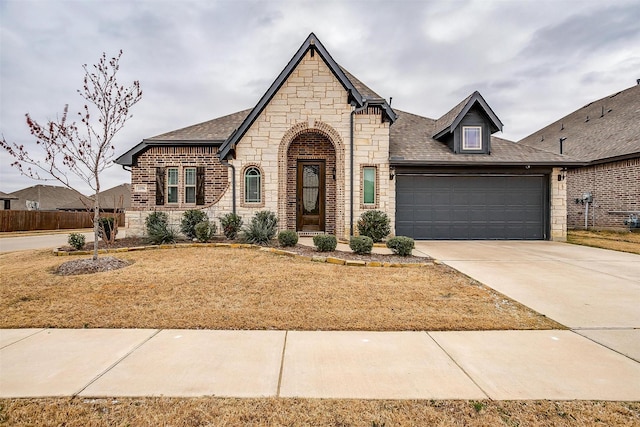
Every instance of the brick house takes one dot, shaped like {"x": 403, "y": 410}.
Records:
{"x": 605, "y": 136}
{"x": 320, "y": 148}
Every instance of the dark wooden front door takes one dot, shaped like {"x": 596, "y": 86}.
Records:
{"x": 310, "y": 197}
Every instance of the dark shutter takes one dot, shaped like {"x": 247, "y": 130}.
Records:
{"x": 160, "y": 186}
{"x": 200, "y": 185}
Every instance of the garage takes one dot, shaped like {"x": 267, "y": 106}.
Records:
{"x": 481, "y": 206}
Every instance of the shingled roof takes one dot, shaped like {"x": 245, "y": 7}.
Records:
{"x": 411, "y": 143}
{"x": 211, "y": 132}
{"x": 452, "y": 118}
{"x": 601, "y": 131}
{"x": 50, "y": 197}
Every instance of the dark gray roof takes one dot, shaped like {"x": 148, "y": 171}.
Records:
{"x": 311, "y": 43}
{"x": 364, "y": 90}
{"x": 50, "y": 197}
{"x": 216, "y": 130}
{"x": 211, "y": 132}
{"x": 411, "y": 142}
{"x": 447, "y": 123}
{"x": 612, "y": 131}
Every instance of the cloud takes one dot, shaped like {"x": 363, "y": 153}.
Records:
{"x": 533, "y": 61}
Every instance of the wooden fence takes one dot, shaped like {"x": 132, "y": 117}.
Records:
{"x": 49, "y": 220}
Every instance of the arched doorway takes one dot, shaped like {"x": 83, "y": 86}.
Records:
{"x": 311, "y": 183}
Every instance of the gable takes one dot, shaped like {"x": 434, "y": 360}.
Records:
{"x": 313, "y": 47}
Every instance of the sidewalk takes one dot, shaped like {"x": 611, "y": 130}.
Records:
{"x": 501, "y": 365}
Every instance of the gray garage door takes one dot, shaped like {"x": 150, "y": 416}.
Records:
{"x": 471, "y": 206}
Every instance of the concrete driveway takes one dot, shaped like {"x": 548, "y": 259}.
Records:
{"x": 595, "y": 292}
{"x": 41, "y": 240}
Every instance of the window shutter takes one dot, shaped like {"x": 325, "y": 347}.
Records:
{"x": 200, "y": 185}
{"x": 160, "y": 186}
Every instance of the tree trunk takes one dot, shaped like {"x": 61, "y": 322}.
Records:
{"x": 96, "y": 222}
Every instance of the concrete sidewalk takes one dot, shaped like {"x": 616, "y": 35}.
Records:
{"x": 559, "y": 365}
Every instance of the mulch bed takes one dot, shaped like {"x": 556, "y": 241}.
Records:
{"x": 130, "y": 242}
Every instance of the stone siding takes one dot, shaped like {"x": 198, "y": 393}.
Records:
{"x": 615, "y": 188}
{"x": 558, "y": 206}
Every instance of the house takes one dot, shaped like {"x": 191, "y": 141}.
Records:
{"x": 115, "y": 198}
{"x": 320, "y": 148}
{"x": 49, "y": 198}
{"x": 605, "y": 136}
{"x": 6, "y": 201}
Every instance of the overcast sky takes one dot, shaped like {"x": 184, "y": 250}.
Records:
{"x": 533, "y": 61}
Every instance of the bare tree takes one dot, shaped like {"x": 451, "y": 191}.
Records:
{"x": 85, "y": 149}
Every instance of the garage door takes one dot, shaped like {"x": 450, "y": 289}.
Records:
{"x": 471, "y": 206}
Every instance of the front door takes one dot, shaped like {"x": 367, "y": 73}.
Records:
{"x": 310, "y": 195}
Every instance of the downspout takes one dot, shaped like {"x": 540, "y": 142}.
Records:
{"x": 233, "y": 183}
{"x": 351, "y": 202}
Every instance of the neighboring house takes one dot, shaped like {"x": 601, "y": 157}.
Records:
{"x": 605, "y": 136}
{"x": 6, "y": 201}
{"x": 49, "y": 198}
{"x": 320, "y": 148}
{"x": 115, "y": 198}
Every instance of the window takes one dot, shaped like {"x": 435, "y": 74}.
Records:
{"x": 369, "y": 185}
{"x": 472, "y": 138}
{"x": 252, "y": 184}
{"x": 172, "y": 185}
{"x": 189, "y": 185}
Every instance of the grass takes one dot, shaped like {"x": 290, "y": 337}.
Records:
{"x": 617, "y": 241}
{"x": 224, "y": 288}
{"x": 312, "y": 412}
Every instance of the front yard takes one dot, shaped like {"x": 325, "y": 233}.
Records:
{"x": 617, "y": 241}
{"x": 225, "y": 288}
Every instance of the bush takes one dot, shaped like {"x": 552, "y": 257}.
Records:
{"x": 156, "y": 218}
{"x": 288, "y": 238}
{"x": 401, "y": 245}
{"x": 106, "y": 227}
{"x": 76, "y": 241}
{"x": 262, "y": 228}
{"x": 361, "y": 245}
{"x": 325, "y": 242}
{"x": 205, "y": 231}
{"x": 189, "y": 220}
{"x": 374, "y": 224}
{"x": 231, "y": 224}
{"x": 158, "y": 229}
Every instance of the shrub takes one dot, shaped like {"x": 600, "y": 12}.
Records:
{"x": 231, "y": 224}
{"x": 325, "y": 242}
{"x": 205, "y": 231}
{"x": 361, "y": 245}
{"x": 262, "y": 228}
{"x": 374, "y": 224}
{"x": 401, "y": 245}
{"x": 106, "y": 227}
{"x": 156, "y": 218}
{"x": 288, "y": 238}
{"x": 158, "y": 229}
{"x": 189, "y": 220}
{"x": 76, "y": 241}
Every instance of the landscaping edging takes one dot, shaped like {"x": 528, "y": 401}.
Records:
{"x": 315, "y": 258}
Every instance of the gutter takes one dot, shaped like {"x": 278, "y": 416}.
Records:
{"x": 233, "y": 183}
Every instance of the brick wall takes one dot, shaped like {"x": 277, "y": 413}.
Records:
{"x": 312, "y": 146}
{"x": 615, "y": 187}
{"x": 143, "y": 182}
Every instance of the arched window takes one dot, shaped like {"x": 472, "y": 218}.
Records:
{"x": 252, "y": 185}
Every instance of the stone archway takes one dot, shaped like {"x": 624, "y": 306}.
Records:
{"x": 306, "y": 146}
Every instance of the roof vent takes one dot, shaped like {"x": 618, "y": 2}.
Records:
{"x": 587, "y": 119}
{"x": 561, "y": 126}
{"x": 638, "y": 81}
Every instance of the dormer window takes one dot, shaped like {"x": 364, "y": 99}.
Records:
{"x": 472, "y": 137}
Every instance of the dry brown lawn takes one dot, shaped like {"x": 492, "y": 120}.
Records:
{"x": 312, "y": 412}
{"x": 225, "y": 288}
{"x": 617, "y": 241}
